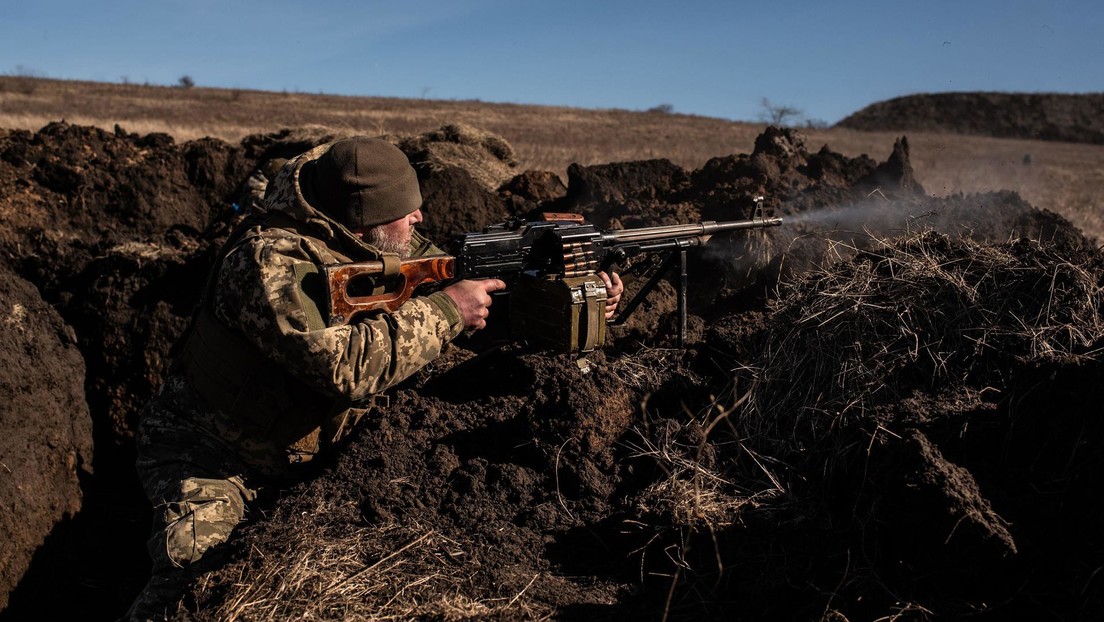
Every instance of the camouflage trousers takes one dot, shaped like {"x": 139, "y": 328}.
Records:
{"x": 198, "y": 497}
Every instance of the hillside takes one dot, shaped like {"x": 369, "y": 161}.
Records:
{"x": 1039, "y": 116}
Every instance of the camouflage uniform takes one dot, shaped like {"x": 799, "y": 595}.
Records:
{"x": 260, "y": 385}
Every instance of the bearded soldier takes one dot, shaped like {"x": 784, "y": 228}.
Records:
{"x": 260, "y": 384}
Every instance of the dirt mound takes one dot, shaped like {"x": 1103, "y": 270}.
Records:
{"x": 893, "y": 400}
{"x": 506, "y": 484}
{"x": 46, "y": 446}
{"x": 472, "y": 473}
{"x": 487, "y": 157}
{"x": 460, "y": 169}
{"x": 622, "y": 191}
{"x": 70, "y": 192}
{"x": 1038, "y": 116}
{"x": 532, "y": 191}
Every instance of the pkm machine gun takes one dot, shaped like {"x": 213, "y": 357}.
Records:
{"x": 550, "y": 265}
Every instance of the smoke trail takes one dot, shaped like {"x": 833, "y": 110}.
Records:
{"x": 813, "y": 237}
{"x": 884, "y": 219}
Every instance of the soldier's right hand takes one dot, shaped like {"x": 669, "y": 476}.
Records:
{"x": 473, "y": 298}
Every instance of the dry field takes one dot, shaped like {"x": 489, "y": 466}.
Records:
{"x": 1063, "y": 177}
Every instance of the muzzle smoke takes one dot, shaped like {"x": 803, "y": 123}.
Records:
{"x": 806, "y": 237}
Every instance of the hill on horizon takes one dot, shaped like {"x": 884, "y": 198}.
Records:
{"x": 1074, "y": 118}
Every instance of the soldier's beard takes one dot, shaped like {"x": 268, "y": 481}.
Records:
{"x": 400, "y": 245}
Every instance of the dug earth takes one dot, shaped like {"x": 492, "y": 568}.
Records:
{"x": 895, "y": 422}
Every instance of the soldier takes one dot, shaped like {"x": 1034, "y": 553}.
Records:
{"x": 260, "y": 385}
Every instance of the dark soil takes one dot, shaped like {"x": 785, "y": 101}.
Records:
{"x": 1036, "y": 116}
{"x": 111, "y": 229}
{"x": 507, "y": 484}
{"x": 46, "y": 446}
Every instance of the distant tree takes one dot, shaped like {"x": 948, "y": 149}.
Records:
{"x": 23, "y": 71}
{"x": 662, "y": 109}
{"x": 186, "y": 81}
{"x": 777, "y": 114}
{"x": 25, "y": 79}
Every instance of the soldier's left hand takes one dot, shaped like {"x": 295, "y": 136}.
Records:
{"x": 614, "y": 289}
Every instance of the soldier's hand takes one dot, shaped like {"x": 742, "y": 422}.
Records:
{"x": 473, "y": 298}
{"x": 614, "y": 289}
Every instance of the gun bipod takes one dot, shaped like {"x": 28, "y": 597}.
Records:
{"x": 658, "y": 274}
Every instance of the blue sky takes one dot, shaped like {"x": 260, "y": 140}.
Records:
{"x": 711, "y": 58}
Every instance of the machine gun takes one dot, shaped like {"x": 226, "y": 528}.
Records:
{"x": 550, "y": 267}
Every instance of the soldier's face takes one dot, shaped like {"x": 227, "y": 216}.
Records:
{"x": 394, "y": 236}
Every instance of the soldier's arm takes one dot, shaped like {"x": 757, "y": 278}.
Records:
{"x": 260, "y": 293}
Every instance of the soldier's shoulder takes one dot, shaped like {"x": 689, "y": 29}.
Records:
{"x": 263, "y": 239}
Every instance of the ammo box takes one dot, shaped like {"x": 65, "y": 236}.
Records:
{"x": 563, "y": 314}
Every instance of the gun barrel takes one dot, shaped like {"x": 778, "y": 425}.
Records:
{"x": 708, "y": 227}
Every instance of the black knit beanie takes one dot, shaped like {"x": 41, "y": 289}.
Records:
{"x": 362, "y": 182}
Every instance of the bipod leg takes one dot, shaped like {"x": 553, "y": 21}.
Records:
{"x": 682, "y": 298}
{"x": 643, "y": 292}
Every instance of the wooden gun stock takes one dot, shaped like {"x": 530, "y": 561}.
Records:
{"x": 410, "y": 273}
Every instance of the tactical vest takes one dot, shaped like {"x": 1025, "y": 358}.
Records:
{"x": 278, "y": 419}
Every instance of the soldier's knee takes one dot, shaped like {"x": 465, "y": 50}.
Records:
{"x": 203, "y": 515}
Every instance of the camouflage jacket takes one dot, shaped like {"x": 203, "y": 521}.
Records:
{"x": 259, "y": 372}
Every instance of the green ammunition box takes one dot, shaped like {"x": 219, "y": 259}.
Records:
{"x": 563, "y": 314}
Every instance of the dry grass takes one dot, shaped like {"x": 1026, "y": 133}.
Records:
{"x": 921, "y": 311}
{"x": 375, "y": 574}
{"x": 690, "y": 494}
{"x": 696, "y": 490}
